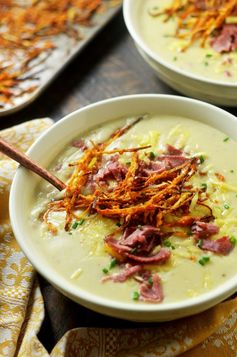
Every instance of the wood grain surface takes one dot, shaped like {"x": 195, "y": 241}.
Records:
{"x": 109, "y": 66}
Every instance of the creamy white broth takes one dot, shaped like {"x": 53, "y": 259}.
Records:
{"x": 159, "y": 36}
{"x": 80, "y": 256}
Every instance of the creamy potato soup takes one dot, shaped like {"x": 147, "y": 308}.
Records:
{"x": 179, "y": 41}
{"x": 149, "y": 213}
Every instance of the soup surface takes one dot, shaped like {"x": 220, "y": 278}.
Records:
{"x": 158, "y": 33}
{"x": 181, "y": 245}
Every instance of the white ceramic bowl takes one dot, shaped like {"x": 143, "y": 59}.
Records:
{"x": 192, "y": 85}
{"x": 53, "y": 141}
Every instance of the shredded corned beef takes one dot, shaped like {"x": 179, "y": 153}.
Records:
{"x": 172, "y": 161}
{"x": 173, "y": 157}
{"x": 171, "y": 150}
{"x": 124, "y": 275}
{"x": 115, "y": 244}
{"x": 138, "y": 242}
{"x": 80, "y": 144}
{"x": 150, "y": 167}
{"x": 152, "y": 292}
{"x": 204, "y": 230}
{"x": 160, "y": 258}
{"x": 226, "y": 40}
{"x": 113, "y": 169}
{"x": 143, "y": 236}
{"x": 220, "y": 246}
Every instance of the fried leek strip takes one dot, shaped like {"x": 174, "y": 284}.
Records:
{"x": 136, "y": 199}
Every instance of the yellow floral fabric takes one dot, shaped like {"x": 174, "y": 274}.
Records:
{"x": 211, "y": 333}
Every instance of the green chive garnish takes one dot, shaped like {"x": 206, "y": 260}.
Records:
{"x": 208, "y": 55}
{"x": 175, "y": 58}
{"x": 204, "y": 186}
{"x": 233, "y": 240}
{"x": 75, "y": 224}
{"x": 112, "y": 263}
{"x": 118, "y": 224}
{"x": 226, "y": 206}
{"x": 168, "y": 244}
{"x": 204, "y": 260}
{"x": 206, "y": 63}
{"x": 105, "y": 270}
{"x": 134, "y": 251}
{"x": 202, "y": 159}
{"x": 152, "y": 155}
{"x": 226, "y": 139}
{"x": 70, "y": 233}
{"x": 150, "y": 281}
{"x": 81, "y": 222}
{"x": 199, "y": 244}
{"x": 135, "y": 295}
{"x": 232, "y": 171}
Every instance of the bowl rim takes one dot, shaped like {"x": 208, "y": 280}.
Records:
{"x": 63, "y": 284}
{"x": 154, "y": 56}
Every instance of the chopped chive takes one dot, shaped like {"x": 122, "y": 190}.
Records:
{"x": 150, "y": 280}
{"x": 134, "y": 250}
{"x": 232, "y": 171}
{"x": 226, "y": 206}
{"x": 175, "y": 58}
{"x": 233, "y": 240}
{"x": 70, "y": 233}
{"x": 105, "y": 270}
{"x": 128, "y": 163}
{"x": 226, "y": 139}
{"x": 81, "y": 222}
{"x": 112, "y": 263}
{"x": 135, "y": 295}
{"x": 204, "y": 186}
{"x": 204, "y": 260}
{"x": 206, "y": 63}
{"x": 152, "y": 155}
{"x": 199, "y": 244}
{"x": 202, "y": 159}
{"x": 75, "y": 224}
{"x": 118, "y": 224}
{"x": 209, "y": 55}
{"x": 168, "y": 244}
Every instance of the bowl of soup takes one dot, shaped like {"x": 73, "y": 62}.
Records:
{"x": 146, "y": 228}
{"x": 183, "y": 44}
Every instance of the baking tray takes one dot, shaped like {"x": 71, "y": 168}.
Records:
{"x": 66, "y": 49}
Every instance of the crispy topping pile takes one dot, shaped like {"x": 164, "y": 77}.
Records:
{"x": 26, "y": 38}
{"x": 202, "y": 19}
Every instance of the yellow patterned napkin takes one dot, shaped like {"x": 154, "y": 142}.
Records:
{"x": 212, "y": 333}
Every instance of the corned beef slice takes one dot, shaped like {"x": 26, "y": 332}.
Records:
{"x": 113, "y": 170}
{"x": 152, "y": 292}
{"x": 204, "y": 230}
{"x": 159, "y": 258}
{"x": 124, "y": 275}
{"x": 220, "y": 246}
{"x": 226, "y": 41}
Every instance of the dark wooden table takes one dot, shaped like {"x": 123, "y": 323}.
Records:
{"x": 109, "y": 66}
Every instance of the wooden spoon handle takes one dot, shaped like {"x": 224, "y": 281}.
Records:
{"x": 25, "y": 161}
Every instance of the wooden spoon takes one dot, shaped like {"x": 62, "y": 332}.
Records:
{"x": 25, "y": 161}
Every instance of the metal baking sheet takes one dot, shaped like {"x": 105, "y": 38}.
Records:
{"x": 66, "y": 49}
